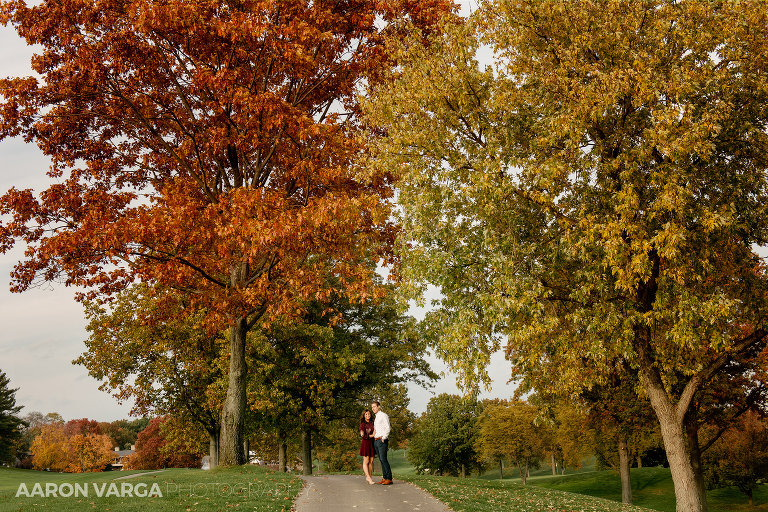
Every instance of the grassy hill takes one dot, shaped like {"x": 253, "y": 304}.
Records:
{"x": 243, "y": 488}
{"x": 651, "y": 488}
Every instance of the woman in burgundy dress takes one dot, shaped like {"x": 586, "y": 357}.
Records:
{"x": 366, "y": 445}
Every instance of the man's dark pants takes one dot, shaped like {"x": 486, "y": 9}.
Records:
{"x": 381, "y": 450}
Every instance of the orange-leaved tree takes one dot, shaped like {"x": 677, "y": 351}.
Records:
{"x": 156, "y": 448}
{"x": 71, "y": 447}
{"x": 89, "y": 452}
{"x": 205, "y": 145}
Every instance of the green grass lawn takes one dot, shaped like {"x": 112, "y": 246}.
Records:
{"x": 492, "y": 473}
{"x": 478, "y": 495}
{"x": 246, "y": 488}
{"x": 484, "y": 494}
{"x": 651, "y": 488}
{"x": 398, "y": 461}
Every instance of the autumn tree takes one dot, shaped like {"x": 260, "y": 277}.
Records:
{"x": 77, "y": 446}
{"x": 124, "y": 432}
{"x": 338, "y": 445}
{"x": 89, "y": 452}
{"x": 508, "y": 430}
{"x": 445, "y": 435}
{"x": 82, "y": 426}
{"x": 276, "y": 448}
{"x": 205, "y": 146}
{"x": 740, "y": 387}
{"x": 11, "y": 426}
{"x": 155, "y": 448}
{"x": 563, "y": 430}
{"x": 148, "y": 453}
{"x": 595, "y": 194}
{"x": 740, "y": 456}
{"x": 49, "y": 449}
{"x": 34, "y": 421}
{"x": 571, "y": 437}
{"x": 186, "y": 442}
{"x": 489, "y": 444}
{"x": 623, "y": 418}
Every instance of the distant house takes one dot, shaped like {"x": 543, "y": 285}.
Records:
{"x": 120, "y": 457}
{"x": 23, "y": 461}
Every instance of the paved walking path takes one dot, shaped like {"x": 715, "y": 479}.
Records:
{"x": 134, "y": 475}
{"x": 343, "y": 493}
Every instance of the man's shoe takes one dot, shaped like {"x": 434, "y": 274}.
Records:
{"x": 381, "y": 481}
{"x": 386, "y": 482}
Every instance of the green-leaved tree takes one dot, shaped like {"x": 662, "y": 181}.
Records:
{"x": 445, "y": 436}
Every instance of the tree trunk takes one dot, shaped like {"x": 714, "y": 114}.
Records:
{"x": 501, "y": 469}
{"x": 306, "y": 449}
{"x": 463, "y": 471}
{"x": 213, "y": 449}
{"x": 554, "y": 464}
{"x": 247, "y": 451}
{"x": 688, "y": 493}
{"x": 233, "y": 414}
{"x": 689, "y": 496}
{"x": 639, "y": 462}
{"x": 281, "y": 453}
{"x": 626, "y": 481}
{"x": 692, "y": 437}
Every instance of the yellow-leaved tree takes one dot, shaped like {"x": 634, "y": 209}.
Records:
{"x": 49, "y": 448}
{"x": 593, "y": 197}
{"x": 508, "y": 430}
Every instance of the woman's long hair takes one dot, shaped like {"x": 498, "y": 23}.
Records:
{"x": 362, "y": 416}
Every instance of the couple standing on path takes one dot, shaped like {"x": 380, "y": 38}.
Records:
{"x": 344, "y": 493}
{"x": 375, "y": 441}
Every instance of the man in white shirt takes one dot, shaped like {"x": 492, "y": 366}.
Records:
{"x": 381, "y": 430}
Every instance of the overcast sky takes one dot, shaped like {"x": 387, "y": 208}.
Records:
{"x": 43, "y": 329}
